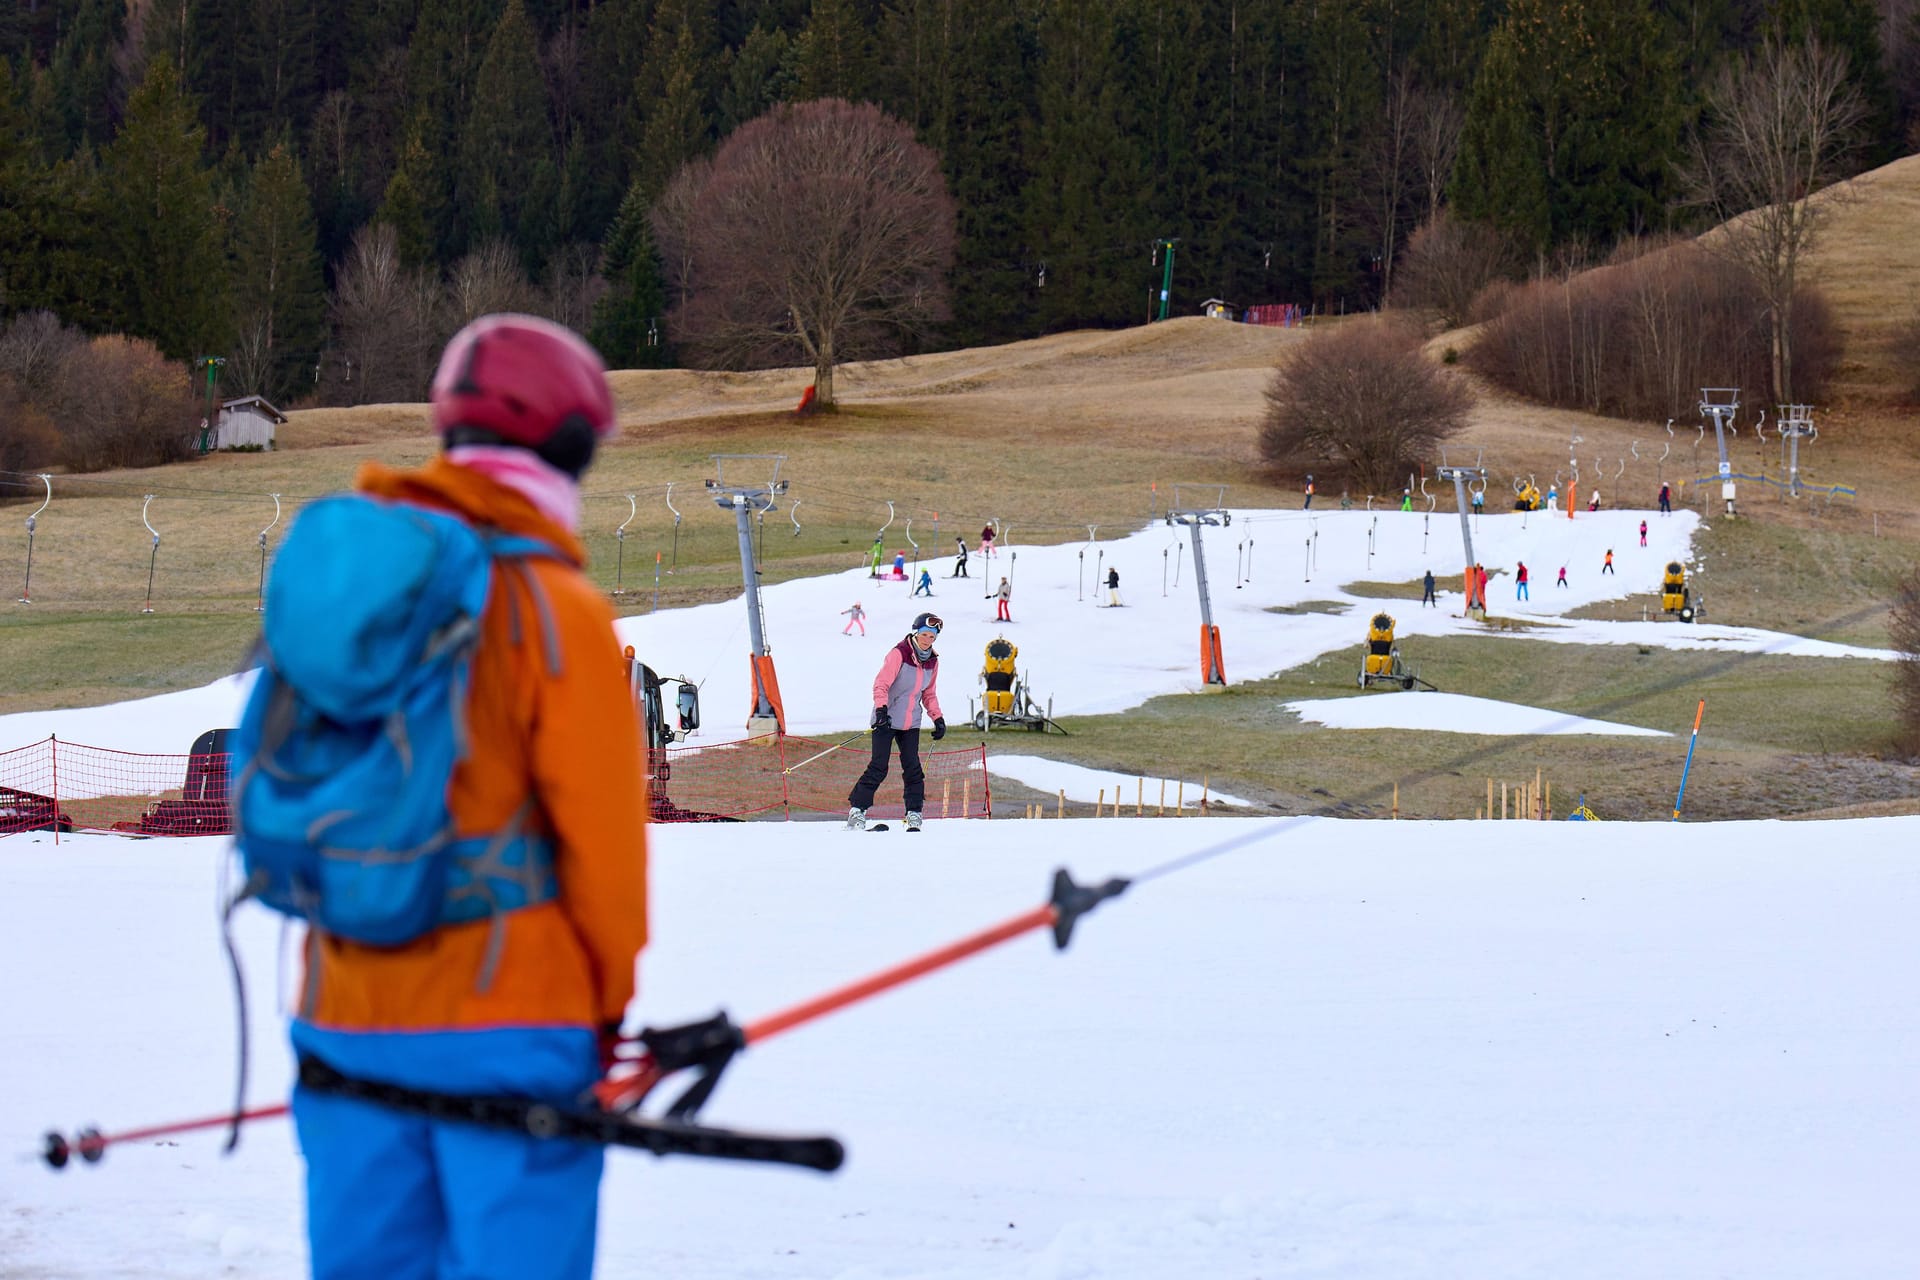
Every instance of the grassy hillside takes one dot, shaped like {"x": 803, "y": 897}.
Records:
{"x": 1048, "y": 437}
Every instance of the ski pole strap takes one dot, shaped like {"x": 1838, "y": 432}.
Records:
{"x": 545, "y": 1121}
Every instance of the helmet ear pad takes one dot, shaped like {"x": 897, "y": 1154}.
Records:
{"x": 570, "y": 447}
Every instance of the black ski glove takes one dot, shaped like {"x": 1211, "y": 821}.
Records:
{"x": 939, "y": 728}
{"x": 882, "y": 719}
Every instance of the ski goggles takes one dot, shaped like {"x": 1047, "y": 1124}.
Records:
{"x": 931, "y": 627}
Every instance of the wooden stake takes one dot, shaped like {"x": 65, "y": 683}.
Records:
{"x": 1163, "y": 797}
{"x": 1549, "y": 802}
{"x": 946, "y": 794}
{"x": 966, "y": 798}
{"x": 1203, "y": 793}
{"x": 1061, "y": 812}
{"x": 1180, "y": 799}
{"x": 1489, "y": 796}
{"x": 1139, "y": 797}
{"x": 1539, "y": 807}
{"x": 1396, "y": 799}
{"x": 1101, "y": 802}
{"x": 1503, "y": 801}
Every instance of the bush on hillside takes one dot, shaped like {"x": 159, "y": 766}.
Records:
{"x": 1640, "y": 337}
{"x": 1904, "y": 634}
{"x": 1359, "y": 402}
{"x": 1906, "y": 356}
{"x": 123, "y": 404}
{"x": 27, "y": 438}
{"x": 1447, "y": 264}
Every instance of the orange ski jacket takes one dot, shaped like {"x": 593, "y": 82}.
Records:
{"x": 566, "y": 737}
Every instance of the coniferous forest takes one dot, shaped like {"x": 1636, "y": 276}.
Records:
{"x": 318, "y": 192}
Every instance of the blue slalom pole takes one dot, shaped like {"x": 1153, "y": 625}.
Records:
{"x": 1689, "y": 765}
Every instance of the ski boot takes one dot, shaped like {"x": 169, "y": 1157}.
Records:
{"x": 856, "y": 819}
{"x": 913, "y": 819}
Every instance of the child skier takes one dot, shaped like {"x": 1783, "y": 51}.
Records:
{"x": 925, "y": 586}
{"x": 1005, "y": 596}
{"x": 960, "y": 561}
{"x": 856, "y": 617}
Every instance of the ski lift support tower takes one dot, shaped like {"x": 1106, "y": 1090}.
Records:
{"x": 1197, "y": 517}
{"x": 767, "y": 715}
{"x": 1721, "y": 404}
{"x": 1460, "y": 476}
{"x": 1795, "y": 422}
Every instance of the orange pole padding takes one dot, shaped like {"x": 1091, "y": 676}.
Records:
{"x": 766, "y": 688}
{"x": 1212, "y": 669}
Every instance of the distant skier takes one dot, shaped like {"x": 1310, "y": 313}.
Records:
{"x": 1113, "y": 587}
{"x": 1593, "y": 501}
{"x": 1427, "y": 596}
{"x": 873, "y": 563}
{"x": 1308, "y": 504}
{"x": 1520, "y": 583}
{"x": 986, "y": 540}
{"x": 1666, "y": 499}
{"x": 1005, "y": 596}
{"x": 1607, "y": 566}
{"x": 1553, "y": 497}
{"x": 925, "y": 586}
{"x": 1643, "y": 533}
{"x": 856, "y": 617}
{"x": 1561, "y": 581}
{"x": 903, "y": 689}
{"x": 1479, "y": 501}
{"x": 960, "y": 561}
{"x": 1406, "y": 499}
{"x": 900, "y": 565}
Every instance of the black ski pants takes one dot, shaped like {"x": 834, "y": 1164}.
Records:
{"x": 912, "y": 777}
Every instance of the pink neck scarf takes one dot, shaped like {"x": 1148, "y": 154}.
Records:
{"x": 554, "y": 493}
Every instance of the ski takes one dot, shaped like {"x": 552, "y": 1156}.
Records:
{"x": 878, "y": 826}
{"x": 582, "y": 1124}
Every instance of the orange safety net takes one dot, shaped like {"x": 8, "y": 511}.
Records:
{"x": 68, "y": 786}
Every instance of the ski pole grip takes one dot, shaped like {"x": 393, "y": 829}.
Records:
{"x": 1070, "y": 901}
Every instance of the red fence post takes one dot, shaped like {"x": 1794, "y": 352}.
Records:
{"x": 53, "y": 740}
{"x": 986, "y": 781}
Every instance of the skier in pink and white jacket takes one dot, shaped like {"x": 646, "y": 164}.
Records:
{"x": 903, "y": 695}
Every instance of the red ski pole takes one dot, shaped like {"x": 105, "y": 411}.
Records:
{"x": 91, "y": 1144}
{"x": 714, "y": 1042}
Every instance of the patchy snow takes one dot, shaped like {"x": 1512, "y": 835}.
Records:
{"x": 1346, "y": 1051}
{"x": 1081, "y": 784}
{"x": 1450, "y": 713}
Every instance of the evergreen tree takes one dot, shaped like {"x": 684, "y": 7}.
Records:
{"x": 833, "y": 58}
{"x": 443, "y": 63}
{"x": 1085, "y": 172}
{"x": 161, "y": 225}
{"x": 1501, "y": 176}
{"x": 216, "y": 65}
{"x": 279, "y": 71}
{"x": 756, "y": 78}
{"x": 617, "y": 44}
{"x": 626, "y": 321}
{"x": 404, "y": 208}
{"x": 1853, "y": 27}
{"x": 278, "y": 292}
{"x": 677, "y": 127}
{"x": 507, "y": 138}
{"x": 88, "y": 91}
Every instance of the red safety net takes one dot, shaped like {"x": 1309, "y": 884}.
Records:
{"x": 66, "y": 785}
{"x": 75, "y": 787}
{"x": 786, "y": 775}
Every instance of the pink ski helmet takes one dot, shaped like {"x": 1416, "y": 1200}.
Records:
{"x": 523, "y": 381}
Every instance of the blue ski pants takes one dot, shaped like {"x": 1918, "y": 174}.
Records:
{"x": 393, "y": 1196}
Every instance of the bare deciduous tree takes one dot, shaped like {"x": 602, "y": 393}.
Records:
{"x": 1448, "y": 262}
{"x": 383, "y": 324}
{"x": 574, "y": 285}
{"x": 487, "y": 281}
{"x": 31, "y": 348}
{"x": 1778, "y": 128}
{"x": 823, "y": 233}
{"x": 1438, "y": 122}
{"x": 1361, "y": 399}
{"x": 672, "y": 220}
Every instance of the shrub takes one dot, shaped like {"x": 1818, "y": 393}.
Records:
{"x": 27, "y": 438}
{"x": 1639, "y": 338}
{"x": 1904, "y": 634}
{"x": 1360, "y": 402}
{"x": 1447, "y": 263}
{"x": 123, "y": 404}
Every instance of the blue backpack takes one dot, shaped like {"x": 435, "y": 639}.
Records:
{"x": 345, "y": 752}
